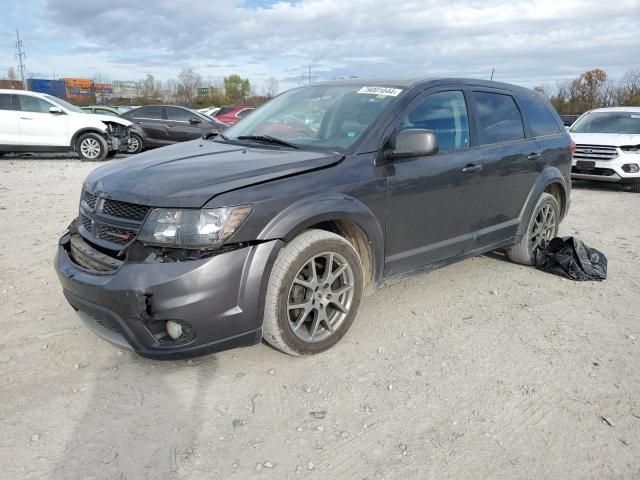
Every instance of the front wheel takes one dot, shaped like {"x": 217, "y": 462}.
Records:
{"x": 543, "y": 226}
{"x": 314, "y": 293}
{"x": 92, "y": 147}
{"x": 135, "y": 143}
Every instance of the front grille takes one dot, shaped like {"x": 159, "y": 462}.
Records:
{"x": 90, "y": 199}
{"x": 595, "y": 152}
{"x": 126, "y": 210}
{"x": 86, "y": 223}
{"x": 604, "y": 172}
{"x": 119, "y": 236}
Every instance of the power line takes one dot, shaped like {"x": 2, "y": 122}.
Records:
{"x": 20, "y": 56}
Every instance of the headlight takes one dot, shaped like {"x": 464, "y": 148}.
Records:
{"x": 630, "y": 149}
{"x": 205, "y": 228}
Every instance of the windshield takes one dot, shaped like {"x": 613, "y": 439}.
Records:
{"x": 64, "y": 104}
{"x": 608, "y": 122}
{"x": 330, "y": 117}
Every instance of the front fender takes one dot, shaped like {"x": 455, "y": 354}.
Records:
{"x": 548, "y": 176}
{"x": 332, "y": 207}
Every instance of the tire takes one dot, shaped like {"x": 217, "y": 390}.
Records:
{"x": 635, "y": 188}
{"x": 291, "y": 283}
{"x": 524, "y": 251}
{"x": 92, "y": 147}
{"x": 136, "y": 145}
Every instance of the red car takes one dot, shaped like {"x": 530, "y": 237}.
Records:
{"x": 231, "y": 114}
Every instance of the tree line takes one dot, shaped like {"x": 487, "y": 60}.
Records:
{"x": 593, "y": 89}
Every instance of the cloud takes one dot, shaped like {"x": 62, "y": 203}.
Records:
{"x": 527, "y": 42}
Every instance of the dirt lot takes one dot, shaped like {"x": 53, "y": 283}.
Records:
{"x": 484, "y": 369}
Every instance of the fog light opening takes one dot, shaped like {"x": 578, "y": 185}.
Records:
{"x": 174, "y": 329}
{"x": 631, "y": 168}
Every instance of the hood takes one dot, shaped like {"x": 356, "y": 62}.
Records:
{"x": 613, "y": 139}
{"x": 189, "y": 174}
{"x": 110, "y": 118}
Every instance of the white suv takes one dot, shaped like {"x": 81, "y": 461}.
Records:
{"x": 608, "y": 146}
{"x": 36, "y": 122}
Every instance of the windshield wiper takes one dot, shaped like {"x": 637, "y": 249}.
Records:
{"x": 267, "y": 139}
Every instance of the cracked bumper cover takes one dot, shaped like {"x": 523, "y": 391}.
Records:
{"x": 221, "y": 298}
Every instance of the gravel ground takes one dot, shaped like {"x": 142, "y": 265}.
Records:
{"x": 483, "y": 369}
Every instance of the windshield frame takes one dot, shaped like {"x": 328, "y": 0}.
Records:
{"x": 592, "y": 114}
{"x": 64, "y": 104}
{"x": 230, "y": 135}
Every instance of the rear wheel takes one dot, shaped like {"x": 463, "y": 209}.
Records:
{"x": 314, "y": 293}
{"x": 92, "y": 147}
{"x": 543, "y": 226}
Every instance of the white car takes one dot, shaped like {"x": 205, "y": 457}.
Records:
{"x": 37, "y": 122}
{"x": 608, "y": 146}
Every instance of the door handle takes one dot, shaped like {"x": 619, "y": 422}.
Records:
{"x": 139, "y": 122}
{"x": 471, "y": 168}
{"x": 533, "y": 156}
{"x": 26, "y": 118}
{"x": 170, "y": 125}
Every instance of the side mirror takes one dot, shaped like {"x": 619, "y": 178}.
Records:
{"x": 411, "y": 143}
{"x": 56, "y": 110}
{"x": 194, "y": 120}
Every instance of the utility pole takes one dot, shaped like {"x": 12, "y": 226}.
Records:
{"x": 492, "y": 70}
{"x": 20, "y": 56}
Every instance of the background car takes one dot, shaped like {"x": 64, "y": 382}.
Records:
{"x": 159, "y": 125}
{"x": 569, "y": 119}
{"x": 608, "y": 146}
{"x": 38, "y": 122}
{"x": 231, "y": 114}
{"x": 210, "y": 111}
{"x": 101, "y": 110}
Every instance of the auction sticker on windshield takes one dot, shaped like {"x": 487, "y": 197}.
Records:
{"x": 384, "y": 91}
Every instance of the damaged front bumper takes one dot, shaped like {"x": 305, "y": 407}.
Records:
{"x": 118, "y": 138}
{"x": 218, "y": 301}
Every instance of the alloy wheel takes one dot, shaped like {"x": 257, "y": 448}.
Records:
{"x": 90, "y": 148}
{"x": 544, "y": 227}
{"x": 134, "y": 144}
{"x": 320, "y": 297}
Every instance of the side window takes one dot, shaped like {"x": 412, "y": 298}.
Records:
{"x": 102, "y": 111}
{"x": 147, "y": 112}
{"x": 446, "y": 114}
{"x": 541, "y": 120}
{"x": 498, "y": 117}
{"x": 6, "y": 102}
{"x": 179, "y": 114}
{"x": 33, "y": 104}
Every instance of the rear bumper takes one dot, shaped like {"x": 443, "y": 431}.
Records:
{"x": 218, "y": 300}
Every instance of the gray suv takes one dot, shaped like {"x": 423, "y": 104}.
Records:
{"x": 277, "y": 228}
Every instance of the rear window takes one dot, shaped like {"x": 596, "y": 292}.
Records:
{"x": 6, "y": 102}
{"x": 498, "y": 117}
{"x": 541, "y": 120}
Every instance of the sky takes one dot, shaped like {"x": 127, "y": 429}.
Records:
{"x": 527, "y": 42}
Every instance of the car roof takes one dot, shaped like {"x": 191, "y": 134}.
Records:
{"x": 425, "y": 82}
{"x": 616, "y": 109}
{"x": 22, "y": 92}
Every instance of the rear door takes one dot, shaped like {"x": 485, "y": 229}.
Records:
{"x": 179, "y": 129}
{"x": 39, "y": 127}
{"x": 150, "y": 120}
{"x": 434, "y": 203}
{"x": 9, "y": 129}
{"x": 511, "y": 160}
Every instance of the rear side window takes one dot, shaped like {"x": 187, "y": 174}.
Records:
{"x": 446, "y": 114}
{"x": 498, "y": 117}
{"x": 147, "y": 112}
{"x": 179, "y": 114}
{"x": 6, "y": 102}
{"x": 541, "y": 120}
{"x": 33, "y": 104}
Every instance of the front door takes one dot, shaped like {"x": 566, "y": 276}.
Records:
{"x": 179, "y": 128}
{"x": 9, "y": 130}
{"x": 435, "y": 202}
{"x": 150, "y": 120}
{"x": 39, "y": 127}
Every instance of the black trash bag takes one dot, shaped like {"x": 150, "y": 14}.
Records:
{"x": 572, "y": 259}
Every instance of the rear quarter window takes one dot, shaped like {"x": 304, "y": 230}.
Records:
{"x": 499, "y": 118}
{"x": 541, "y": 120}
